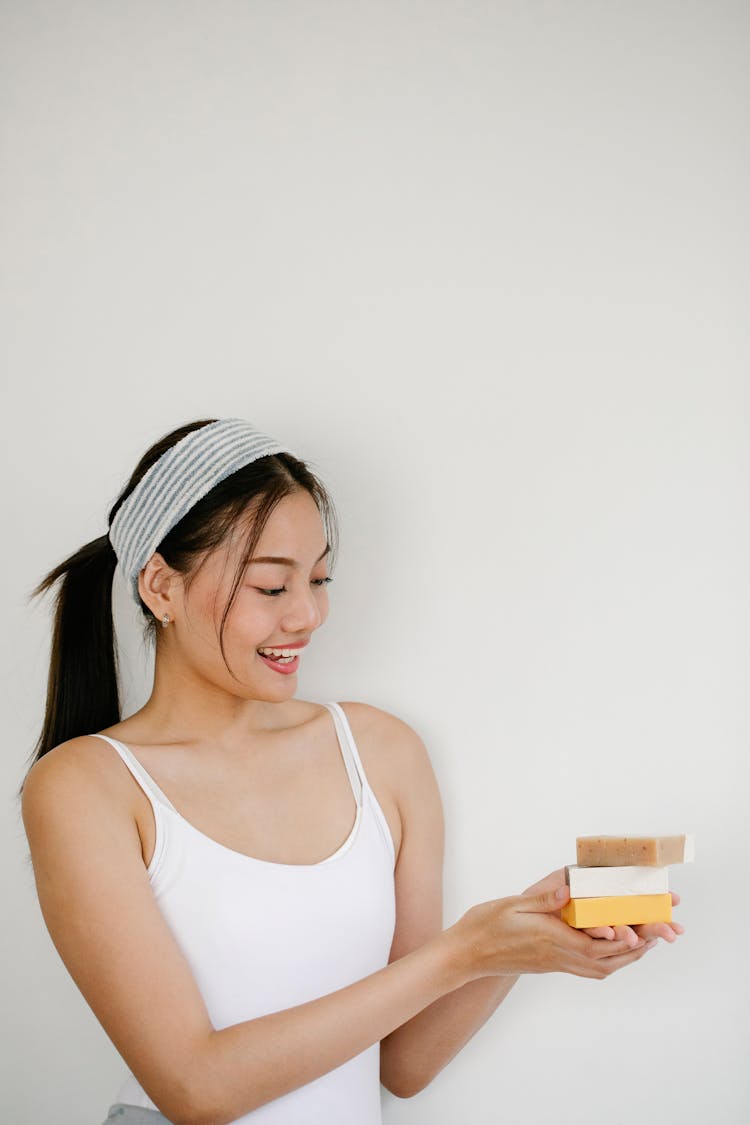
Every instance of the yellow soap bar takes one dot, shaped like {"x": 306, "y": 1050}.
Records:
{"x": 617, "y": 910}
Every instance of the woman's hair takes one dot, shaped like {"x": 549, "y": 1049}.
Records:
{"x": 82, "y": 687}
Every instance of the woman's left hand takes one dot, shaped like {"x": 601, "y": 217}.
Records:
{"x": 649, "y": 931}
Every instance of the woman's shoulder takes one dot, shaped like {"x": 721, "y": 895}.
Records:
{"x": 79, "y": 765}
{"x": 386, "y": 740}
{"x": 397, "y": 762}
{"x": 71, "y": 755}
{"x": 369, "y": 717}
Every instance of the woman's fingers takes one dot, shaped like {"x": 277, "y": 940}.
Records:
{"x": 599, "y": 941}
{"x": 593, "y": 948}
{"x": 669, "y": 931}
{"x": 615, "y": 933}
{"x": 606, "y": 932}
{"x": 628, "y": 934}
{"x": 549, "y": 883}
{"x": 666, "y": 930}
{"x": 602, "y": 967}
{"x": 611, "y": 965}
{"x": 551, "y": 898}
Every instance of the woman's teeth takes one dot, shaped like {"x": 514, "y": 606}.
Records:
{"x": 282, "y": 655}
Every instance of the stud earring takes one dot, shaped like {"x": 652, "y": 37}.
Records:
{"x": 165, "y": 620}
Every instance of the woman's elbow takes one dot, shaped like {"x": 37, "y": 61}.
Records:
{"x": 405, "y": 1085}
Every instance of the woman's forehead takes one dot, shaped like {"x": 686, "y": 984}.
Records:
{"x": 294, "y": 528}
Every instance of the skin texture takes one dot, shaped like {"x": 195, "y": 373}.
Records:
{"x": 229, "y": 751}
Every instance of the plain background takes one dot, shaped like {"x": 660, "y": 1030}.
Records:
{"x": 485, "y": 265}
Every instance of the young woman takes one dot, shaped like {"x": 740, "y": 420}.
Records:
{"x": 245, "y": 886}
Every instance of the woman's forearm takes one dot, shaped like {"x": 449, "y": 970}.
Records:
{"x": 414, "y": 1053}
{"x": 250, "y": 1063}
{"x": 241, "y": 1067}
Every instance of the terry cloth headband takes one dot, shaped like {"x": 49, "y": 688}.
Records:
{"x": 177, "y": 481}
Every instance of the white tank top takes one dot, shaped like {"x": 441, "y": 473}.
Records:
{"x": 262, "y": 936}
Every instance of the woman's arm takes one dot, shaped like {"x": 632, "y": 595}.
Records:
{"x": 250, "y": 1063}
{"x": 102, "y": 916}
{"x": 413, "y": 1054}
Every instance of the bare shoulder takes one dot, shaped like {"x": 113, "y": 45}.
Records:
{"x": 75, "y": 774}
{"x": 69, "y": 792}
{"x": 390, "y": 747}
{"x": 62, "y": 765}
{"x": 386, "y": 731}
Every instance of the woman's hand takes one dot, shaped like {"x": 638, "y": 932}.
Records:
{"x": 524, "y": 934}
{"x": 649, "y": 931}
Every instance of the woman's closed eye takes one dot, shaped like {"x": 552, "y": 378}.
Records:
{"x": 272, "y": 593}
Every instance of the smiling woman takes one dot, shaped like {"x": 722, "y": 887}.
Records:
{"x": 278, "y": 861}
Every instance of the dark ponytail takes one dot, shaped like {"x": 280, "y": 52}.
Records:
{"x": 82, "y": 688}
{"x": 82, "y": 693}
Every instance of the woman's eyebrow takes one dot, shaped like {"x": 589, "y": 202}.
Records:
{"x": 283, "y": 561}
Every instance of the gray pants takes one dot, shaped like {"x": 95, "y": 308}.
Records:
{"x": 122, "y": 1114}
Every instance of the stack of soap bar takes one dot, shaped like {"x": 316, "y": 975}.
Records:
{"x": 623, "y": 880}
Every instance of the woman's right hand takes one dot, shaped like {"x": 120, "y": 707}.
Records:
{"x": 523, "y": 934}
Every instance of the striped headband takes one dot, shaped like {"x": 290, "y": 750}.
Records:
{"x": 177, "y": 481}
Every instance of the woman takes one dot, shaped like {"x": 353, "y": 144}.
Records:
{"x": 246, "y": 963}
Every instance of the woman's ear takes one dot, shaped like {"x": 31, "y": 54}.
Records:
{"x": 158, "y": 584}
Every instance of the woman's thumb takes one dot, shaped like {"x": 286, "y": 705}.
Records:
{"x": 546, "y": 901}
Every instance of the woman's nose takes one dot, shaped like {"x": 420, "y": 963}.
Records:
{"x": 304, "y": 614}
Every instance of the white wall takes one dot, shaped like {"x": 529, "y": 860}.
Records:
{"x": 485, "y": 265}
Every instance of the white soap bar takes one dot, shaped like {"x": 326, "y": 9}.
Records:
{"x": 599, "y": 882}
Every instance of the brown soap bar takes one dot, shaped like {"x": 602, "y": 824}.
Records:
{"x": 633, "y": 851}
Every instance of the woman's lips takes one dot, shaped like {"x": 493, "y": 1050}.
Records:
{"x": 287, "y": 667}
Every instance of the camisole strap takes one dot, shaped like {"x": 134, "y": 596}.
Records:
{"x": 344, "y": 734}
{"x": 144, "y": 779}
{"x": 349, "y": 751}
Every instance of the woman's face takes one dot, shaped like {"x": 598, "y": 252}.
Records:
{"x": 277, "y": 604}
